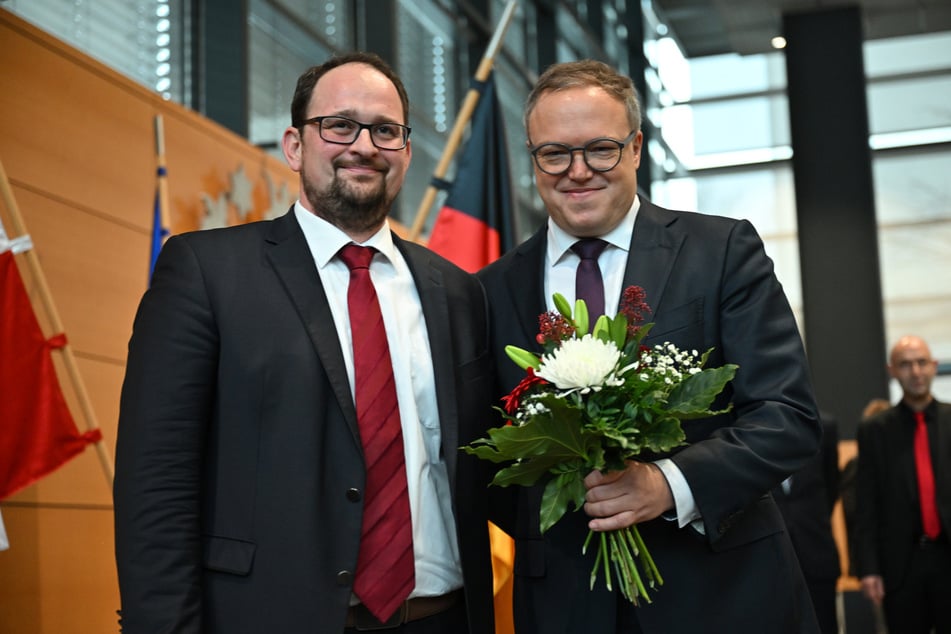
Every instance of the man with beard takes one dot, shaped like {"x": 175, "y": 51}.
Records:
{"x": 295, "y": 394}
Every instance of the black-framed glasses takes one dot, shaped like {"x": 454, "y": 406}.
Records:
{"x": 601, "y": 155}
{"x": 344, "y": 131}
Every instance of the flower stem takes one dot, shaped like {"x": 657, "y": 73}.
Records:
{"x": 624, "y": 551}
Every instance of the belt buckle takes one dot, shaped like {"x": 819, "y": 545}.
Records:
{"x": 364, "y": 621}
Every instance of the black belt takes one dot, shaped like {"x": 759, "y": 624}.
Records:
{"x": 360, "y": 618}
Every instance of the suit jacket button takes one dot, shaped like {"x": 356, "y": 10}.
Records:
{"x": 344, "y": 578}
{"x": 353, "y": 495}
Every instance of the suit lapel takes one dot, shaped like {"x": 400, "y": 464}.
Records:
{"x": 435, "y": 306}
{"x": 287, "y": 251}
{"x": 654, "y": 249}
{"x": 526, "y": 283}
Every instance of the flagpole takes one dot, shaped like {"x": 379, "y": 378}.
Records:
{"x": 36, "y": 273}
{"x": 462, "y": 119}
{"x": 162, "y": 173}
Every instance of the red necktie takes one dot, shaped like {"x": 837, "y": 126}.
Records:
{"x": 589, "y": 285}
{"x": 926, "y": 493}
{"x": 385, "y": 565}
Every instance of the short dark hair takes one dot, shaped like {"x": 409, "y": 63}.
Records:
{"x": 310, "y": 77}
{"x": 583, "y": 73}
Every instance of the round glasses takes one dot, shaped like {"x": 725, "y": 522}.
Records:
{"x": 600, "y": 155}
{"x": 344, "y": 131}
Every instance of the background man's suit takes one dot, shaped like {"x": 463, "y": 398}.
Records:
{"x": 888, "y": 525}
{"x": 709, "y": 284}
{"x": 806, "y": 501}
{"x": 270, "y": 544}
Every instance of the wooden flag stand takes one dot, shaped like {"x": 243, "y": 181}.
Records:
{"x": 69, "y": 360}
{"x": 462, "y": 119}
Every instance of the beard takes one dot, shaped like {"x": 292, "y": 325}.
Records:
{"x": 351, "y": 208}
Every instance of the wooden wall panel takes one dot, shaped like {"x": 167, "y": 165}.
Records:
{"x": 96, "y": 270}
{"x": 59, "y": 575}
{"x": 69, "y": 125}
{"x": 77, "y": 143}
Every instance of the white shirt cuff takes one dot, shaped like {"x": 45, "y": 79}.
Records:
{"x": 685, "y": 508}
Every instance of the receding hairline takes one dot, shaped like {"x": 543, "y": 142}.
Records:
{"x": 909, "y": 341}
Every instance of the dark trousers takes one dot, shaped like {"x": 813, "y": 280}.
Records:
{"x": 822, "y": 592}
{"x": 923, "y": 601}
{"x": 452, "y": 620}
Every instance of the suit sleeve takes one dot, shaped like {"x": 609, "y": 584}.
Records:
{"x": 166, "y": 403}
{"x": 773, "y": 429}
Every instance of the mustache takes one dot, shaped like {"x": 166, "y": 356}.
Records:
{"x": 359, "y": 162}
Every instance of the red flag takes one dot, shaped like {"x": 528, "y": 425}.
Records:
{"x": 37, "y": 432}
{"x": 475, "y": 225}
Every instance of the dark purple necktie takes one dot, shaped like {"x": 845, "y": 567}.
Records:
{"x": 385, "y": 572}
{"x": 588, "y": 283}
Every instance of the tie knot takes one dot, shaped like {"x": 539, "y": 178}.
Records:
{"x": 589, "y": 248}
{"x": 920, "y": 418}
{"x": 356, "y": 257}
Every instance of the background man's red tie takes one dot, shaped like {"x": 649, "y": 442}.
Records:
{"x": 385, "y": 565}
{"x": 929, "y": 509}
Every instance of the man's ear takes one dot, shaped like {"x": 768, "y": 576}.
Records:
{"x": 292, "y": 147}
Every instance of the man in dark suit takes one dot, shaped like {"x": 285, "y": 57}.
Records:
{"x": 806, "y": 500}
{"x": 903, "y": 510}
{"x": 241, "y": 479}
{"x": 704, "y": 510}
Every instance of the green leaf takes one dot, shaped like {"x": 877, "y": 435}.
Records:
{"x": 526, "y": 472}
{"x": 697, "y": 392}
{"x": 556, "y": 434}
{"x": 663, "y": 435}
{"x": 560, "y": 490}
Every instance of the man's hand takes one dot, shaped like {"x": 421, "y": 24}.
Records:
{"x": 874, "y": 588}
{"x": 618, "y": 499}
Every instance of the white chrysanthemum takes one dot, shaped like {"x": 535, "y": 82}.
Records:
{"x": 580, "y": 363}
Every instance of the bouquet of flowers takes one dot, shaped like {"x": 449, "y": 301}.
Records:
{"x": 595, "y": 401}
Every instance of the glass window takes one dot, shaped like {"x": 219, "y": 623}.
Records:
{"x": 733, "y": 125}
{"x": 141, "y": 39}
{"x": 721, "y": 75}
{"x": 762, "y": 195}
{"x": 913, "y": 200}
{"x": 280, "y": 50}
{"x": 426, "y": 64}
{"x": 903, "y": 55}
{"x": 913, "y": 103}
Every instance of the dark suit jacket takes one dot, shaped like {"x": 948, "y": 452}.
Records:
{"x": 709, "y": 284}
{"x": 888, "y": 515}
{"x": 239, "y": 464}
{"x": 807, "y": 508}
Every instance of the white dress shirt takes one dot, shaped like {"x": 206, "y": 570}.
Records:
{"x": 435, "y": 547}
{"x": 561, "y": 264}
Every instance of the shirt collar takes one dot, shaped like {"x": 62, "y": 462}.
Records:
{"x": 560, "y": 241}
{"x": 325, "y": 239}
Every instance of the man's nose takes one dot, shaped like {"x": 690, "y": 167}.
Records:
{"x": 364, "y": 142}
{"x": 577, "y": 167}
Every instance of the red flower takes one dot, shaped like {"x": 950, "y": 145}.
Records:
{"x": 552, "y": 328}
{"x": 513, "y": 400}
{"x": 633, "y": 306}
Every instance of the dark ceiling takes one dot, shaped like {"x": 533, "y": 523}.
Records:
{"x": 713, "y": 27}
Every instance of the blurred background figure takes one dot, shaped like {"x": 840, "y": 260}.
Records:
{"x": 903, "y": 512}
{"x": 806, "y": 500}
